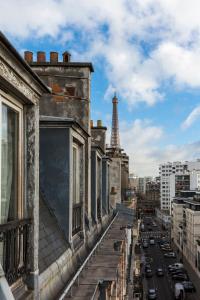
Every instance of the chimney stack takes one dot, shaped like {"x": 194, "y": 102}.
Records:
{"x": 28, "y": 56}
{"x": 99, "y": 123}
{"x": 66, "y": 57}
{"x": 41, "y": 56}
{"x": 53, "y": 57}
{"x": 91, "y": 124}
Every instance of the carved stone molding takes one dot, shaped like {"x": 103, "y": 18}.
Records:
{"x": 17, "y": 82}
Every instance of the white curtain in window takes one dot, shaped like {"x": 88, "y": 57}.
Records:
{"x": 9, "y": 159}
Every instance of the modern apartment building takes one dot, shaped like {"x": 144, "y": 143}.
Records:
{"x": 177, "y": 183}
{"x": 142, "y": 182}
{"x": 179, "y": 180}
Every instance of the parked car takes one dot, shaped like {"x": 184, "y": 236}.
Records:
{"x": 152, "y": 294}
{"x": 179, "y": 292}
{"x": 167, "y": 250}
{"x": 175, "y": 266}
{"x": 178, "y": 271}
{"x": 164, "y": 245}
{"x": 159, "y": 272}
{"x": 148, "y": 273}
{"x": 188, "y": 286}
{"x": 172, "y": 270}
{"x": 170, "y": 255}
{"x": 180, "y": 277}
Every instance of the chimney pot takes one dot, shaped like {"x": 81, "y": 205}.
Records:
{"x": 53, "y": 57}
{"x": 28, "y": 56}
{"x": 41, "y": 56}
{"x": 66, "y": 56}
{"x": 99, "y": 123}
{"x": 91, "y": 124}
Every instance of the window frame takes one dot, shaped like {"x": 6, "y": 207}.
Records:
{"x": 18, "y": 107}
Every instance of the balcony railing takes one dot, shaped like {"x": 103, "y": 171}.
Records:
{"x": 76, "y": 218}
{"x": 15, "y": 249}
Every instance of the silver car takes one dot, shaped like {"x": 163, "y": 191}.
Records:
{"x": 152, "y": 294}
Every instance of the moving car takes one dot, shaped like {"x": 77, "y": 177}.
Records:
{"x": 179, "y": 292}
{"x": 170, "y": 254}
{"x": 152, "y": 242}
{"x": 159, "y": 272}
{"x": 148, "y": 273}
{"x": 147, "y": 266}
{"x": 152, "y": 294}
{"x": 145, "y": 245}
{"x": 188, "y": 286}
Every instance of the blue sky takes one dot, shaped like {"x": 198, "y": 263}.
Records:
{"x": 148, "y": 51}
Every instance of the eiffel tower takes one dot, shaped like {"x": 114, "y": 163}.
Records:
{"x": 115, "y": 142}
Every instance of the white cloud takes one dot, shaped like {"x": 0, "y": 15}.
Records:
{"x": 192, "y": 117}
{"x": 142, "y": 140}
{"x": 169, "y": 29}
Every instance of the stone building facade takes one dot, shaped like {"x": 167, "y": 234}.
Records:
{"x": 58, "y": 200}
{"x": 186, "y": 227}
{"x": 119, "y": 175}
{"x": 20, "y": 93}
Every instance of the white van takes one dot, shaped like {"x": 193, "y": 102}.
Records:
{"x": 179, "y": 292}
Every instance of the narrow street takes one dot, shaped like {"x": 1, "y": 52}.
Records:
{"x": 154, "y": 255}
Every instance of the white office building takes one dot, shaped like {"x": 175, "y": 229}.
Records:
{"x": 174, "y": 176}
{"x": 195, "y": 180}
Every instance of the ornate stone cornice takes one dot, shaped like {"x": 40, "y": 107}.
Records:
{"x": 14, "y": 79}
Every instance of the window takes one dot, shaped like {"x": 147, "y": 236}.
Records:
{"x": 76, "y": 174}
{"x": 77, "y": 209}
{"x": 10, "y": 161}
{"x": 98, "y": 178}
{"x": 198, "y": 260}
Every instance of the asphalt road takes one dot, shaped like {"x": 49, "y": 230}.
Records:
{"x": 164, "y": 285}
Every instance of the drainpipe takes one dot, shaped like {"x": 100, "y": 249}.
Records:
{"x": 5, "y": 291}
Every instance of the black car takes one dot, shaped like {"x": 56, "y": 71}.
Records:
{"x": 189, "y": 286}
{"x": 179, "y": 271}
{"x": 148, "y": 273}
{"x": 180, "y": 277}
{"x": 147, "y": 266}
{"x": 145, "y": 245}
{"x": 159, "y": 272}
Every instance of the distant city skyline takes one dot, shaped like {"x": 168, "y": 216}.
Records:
{"x": 151, "y": 62}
